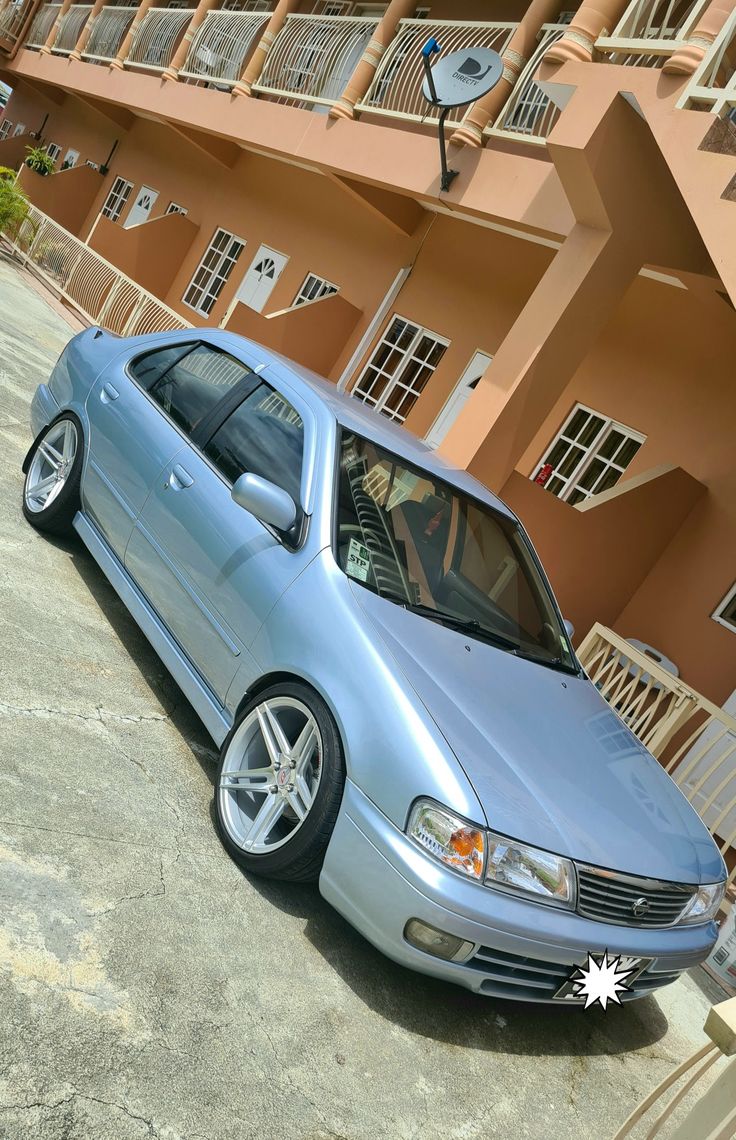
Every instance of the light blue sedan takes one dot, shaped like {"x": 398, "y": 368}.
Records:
{"x": 368, "y": 634}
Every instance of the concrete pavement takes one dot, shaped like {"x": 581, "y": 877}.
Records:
{"x": 147, "y": 987}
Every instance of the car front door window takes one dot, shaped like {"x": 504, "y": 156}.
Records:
{"x": 189, "y": 381}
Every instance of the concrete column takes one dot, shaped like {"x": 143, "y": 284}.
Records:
{"x": 592, "y": 19}
{"x": 86, "y": 30}
{"x": 46, "y": 49}
{"x": 254, "y": 66}
{"x": 515, "y": 56}
{"x": 688, "y": 59}
{"x": 130, "y": 34}
{"x": 362, "y": 77}
{"x": 180, "y": 55}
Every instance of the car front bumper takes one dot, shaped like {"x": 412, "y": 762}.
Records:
{"x": 378, "y": 879}
{"x": 44, "y": 409}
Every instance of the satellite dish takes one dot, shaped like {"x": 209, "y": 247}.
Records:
{"x": 461, "y": 77}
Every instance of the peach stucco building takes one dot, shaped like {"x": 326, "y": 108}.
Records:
{"x": 561, "y": 321}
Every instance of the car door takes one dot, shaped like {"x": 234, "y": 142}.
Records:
{"x": 210, "y": 568}
{"x": 139, "y": 412}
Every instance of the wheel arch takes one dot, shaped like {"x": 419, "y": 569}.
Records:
{"x": 64, "y": 413}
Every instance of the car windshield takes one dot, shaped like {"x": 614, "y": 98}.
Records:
{"x": 423, "y": 544}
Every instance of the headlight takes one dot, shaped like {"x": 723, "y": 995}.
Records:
{"x": 517, "y": 867}
{"x": 451, "y": 840}
{"x": 705, "y": 903}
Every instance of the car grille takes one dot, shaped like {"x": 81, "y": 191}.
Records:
{"x": 531, "y": 979}
{"x": 628, "y": 901}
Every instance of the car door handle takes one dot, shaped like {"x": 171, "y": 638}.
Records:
{"x": 179, "y": 478}
{"x": 108, "y": 393}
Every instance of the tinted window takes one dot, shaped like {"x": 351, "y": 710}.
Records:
{"x": 264, "y": 435}
{"x": 188, "y": 380}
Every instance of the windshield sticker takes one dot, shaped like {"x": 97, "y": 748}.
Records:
{"x": 359, "y": 565}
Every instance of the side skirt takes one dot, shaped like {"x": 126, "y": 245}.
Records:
{"x": 215, "y": 718}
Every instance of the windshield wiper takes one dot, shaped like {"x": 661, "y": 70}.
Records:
{"x": 550, "y": 662}
{"x": 454, "y": 621}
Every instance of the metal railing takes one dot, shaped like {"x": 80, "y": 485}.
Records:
{"x": 97, "y": 288}
{"x": 108, "y": 32}
{"x": 313, "y": 57}
{"x": 713, "y": 86}
{"x": 529, "y": 114}
{"x": 221, "y": 45}
{"x": 650, "y": 31}
{"x": 43, "y": 22}
{"x": 156, "y": 39}
{"x": 13, "y": 17}
{"x": 694, "y": 739}
{"x": 70, "y": 28}
{"x": 396, "y": 89}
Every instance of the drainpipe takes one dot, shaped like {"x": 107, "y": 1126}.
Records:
{"x": 254, "y": 67}
{"x": 49, "y": 42}
{"x": 687, "y": 59}
{"x": 515, "y": 57}
{"x": 180, "y": 55}
{"x": 86, "y": 31}
{"x": 362, "y": 77}
{"x": 593, "y": 18}
{"x": 125, "y": 46}
{"x": 378, "y": 318}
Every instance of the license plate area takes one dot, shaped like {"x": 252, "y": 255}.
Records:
{"x": 637, "y": 966}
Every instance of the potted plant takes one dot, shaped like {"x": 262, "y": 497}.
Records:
{"x": 39, "y": 160}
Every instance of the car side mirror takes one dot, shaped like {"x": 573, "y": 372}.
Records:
{"x": 570, "y": 628}
{"x": 270, "y": 504}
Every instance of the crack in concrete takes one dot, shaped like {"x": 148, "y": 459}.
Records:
{"x": 100, "y": 715}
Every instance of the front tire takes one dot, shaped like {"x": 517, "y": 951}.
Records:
{"x": 51, "y": 490}
{"x": 279, "y": 783}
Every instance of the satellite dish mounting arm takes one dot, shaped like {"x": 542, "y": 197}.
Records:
{"x": 433, "y": 48}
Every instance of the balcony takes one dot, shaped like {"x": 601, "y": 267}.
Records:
{"x": 313, "y": 57}
{"x": 221, "y": 45}
{"x": 43, "y": 22}
{"x": 12, "y": 19}
{"x": 713, "y": 86}
{"x": 396, "y": 90}
{"x": 108, "y": 31}
{"x": 529, "y": 115}
{"x": 70, "y": 28}
{"x": 650, "y": 31}
{"x": 158, "y": 37}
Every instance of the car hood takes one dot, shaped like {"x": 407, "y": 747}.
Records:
{"x": 550, "y": 762}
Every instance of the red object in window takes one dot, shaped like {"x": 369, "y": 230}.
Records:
{"x": 543, "y": 474}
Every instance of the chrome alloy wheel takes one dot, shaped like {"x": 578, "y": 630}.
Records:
{"x": 51, "y": 465}
{"x": 270, "y": 775}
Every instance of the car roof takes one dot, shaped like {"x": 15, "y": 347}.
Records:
{"x": 361, "y": 419}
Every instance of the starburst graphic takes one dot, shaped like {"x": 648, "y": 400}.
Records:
{"x": 602, "y": 980}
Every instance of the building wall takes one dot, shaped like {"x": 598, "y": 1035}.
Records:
{"x": 71, "y": 123}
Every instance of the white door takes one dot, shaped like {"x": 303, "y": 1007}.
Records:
{"x": 258, "y": 283}
{"x": 722, "y": 747}
{"x": 457, "y": 399}
{"x": 140, "y": 211}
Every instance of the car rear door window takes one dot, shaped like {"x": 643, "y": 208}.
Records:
{"x": 189, "y": 381}
{"x": 264, "y": 436}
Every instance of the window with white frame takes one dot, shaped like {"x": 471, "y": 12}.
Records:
{"x": 725, "y": 613}
{"x": 401, "y": 365}
{"x": 589, "y": 455}
{"x": 53, "y": 150}
{"x": 175, "y": 208}
{"x": 5, "y": 128}
{"x": 71, "y": 158}
{"x": 213, "y": 271}
{"x": 116, "y": 199}
{"x": 313, "y": 288}
{"x": 20, "y": 129}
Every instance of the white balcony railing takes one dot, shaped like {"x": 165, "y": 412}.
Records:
{"x": 313, "y": 58}
{"x": 43, "y": 22}
{"x": 650, "y": 31}
{"x": 95, "y": 286}
{"x": 70, "y": 28}
{"x": 157, "y": 38}
{"x": 221, "y": 45}
{"x": 13, "y": 17}
{"x": 693, "y": 738}
{"x": 713, "y": 86}
{"x": 529, "y": 114}
{"x": 396, "y": 89}
{"x": 108, "y": 32}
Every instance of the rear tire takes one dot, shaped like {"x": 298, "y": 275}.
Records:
{"x": 279, "y": 783}
{"x": 51, "y": 495}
